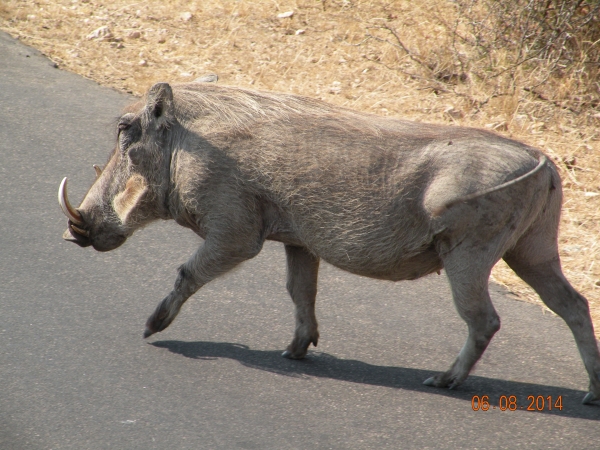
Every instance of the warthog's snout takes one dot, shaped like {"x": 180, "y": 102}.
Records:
{"x": 78, "y": 235}
{"x": 80, "y": 229}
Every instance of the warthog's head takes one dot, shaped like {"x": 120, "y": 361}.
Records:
{"x": 132, "y": 189}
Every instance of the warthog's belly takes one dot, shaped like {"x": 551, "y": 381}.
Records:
{"x": 395, "y": 256}
{"x": 384, "y": 268}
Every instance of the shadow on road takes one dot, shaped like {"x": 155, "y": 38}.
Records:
{"x": 327, "y": 366}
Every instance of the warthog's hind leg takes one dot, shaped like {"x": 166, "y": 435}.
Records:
{"x": 469, "y": 282}
{"x": 535, "y": 259}
{"x": 549, "y": 282}
{"x": 302, "y": 267}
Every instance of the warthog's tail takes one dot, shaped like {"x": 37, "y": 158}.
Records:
{"x": 541, "y": 164}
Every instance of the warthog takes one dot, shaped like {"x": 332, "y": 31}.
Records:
{"x": 376, "y": 196}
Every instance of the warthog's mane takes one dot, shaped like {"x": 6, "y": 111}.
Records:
{"x": 210, "y": 108}
{"x": 238, "y": 109}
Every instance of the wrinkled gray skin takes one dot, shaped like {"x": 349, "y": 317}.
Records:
{"x": 375, "y": 196}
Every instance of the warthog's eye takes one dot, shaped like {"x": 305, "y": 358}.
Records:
{"x": 123, "y": 126}
{"x": 123, "y": 139}
{"x": 129, "y": 131}
{"x": 125, "y": 122}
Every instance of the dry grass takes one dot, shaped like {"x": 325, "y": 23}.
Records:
{"x": 391, "y": 58}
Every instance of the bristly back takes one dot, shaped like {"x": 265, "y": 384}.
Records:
{"x": 206, "y": 107}
{"x": 238, "y": 109}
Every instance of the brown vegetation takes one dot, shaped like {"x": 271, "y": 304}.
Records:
{"x": 530, "y": 75}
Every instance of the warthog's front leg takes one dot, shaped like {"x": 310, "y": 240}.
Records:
{"x": 167, "y": 310}
{"x": 302, "y": 269}
{"x": 207, "y": 263}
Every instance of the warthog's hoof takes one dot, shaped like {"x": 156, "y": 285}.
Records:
{"x": 428, "y": 382}
{"x": 289, "y": 355}
{"x": 299, "y": 346}
{"x": 589, "y": 398}
{"x": 148, "y": 332}
{"x": 443, "y": 381}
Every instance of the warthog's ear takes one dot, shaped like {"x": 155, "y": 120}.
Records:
{"x": 125, "y": 201}
{"x": 160, "y": 105}
{"x": 211, "y": 78}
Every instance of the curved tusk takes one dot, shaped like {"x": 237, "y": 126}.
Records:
{"x": 80, "y": 231}
{"x": 63, "y": 200}
{"x": 98, "y": 170}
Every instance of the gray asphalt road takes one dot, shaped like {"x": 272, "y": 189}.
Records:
{"x": 75, "y": 372}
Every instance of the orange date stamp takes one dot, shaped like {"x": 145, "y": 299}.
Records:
{"x": 511, "y": 403}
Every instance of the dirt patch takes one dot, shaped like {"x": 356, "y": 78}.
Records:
{"x": 395, "y": 58}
